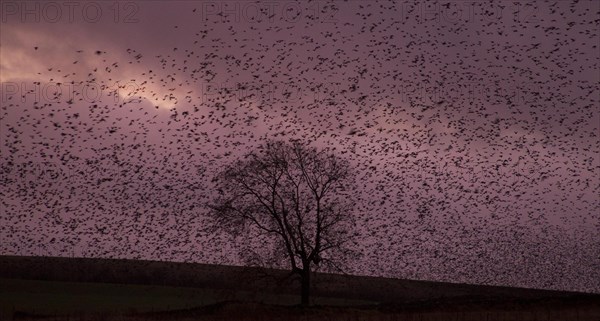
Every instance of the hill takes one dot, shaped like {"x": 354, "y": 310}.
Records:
{"x": 169, "y": 286}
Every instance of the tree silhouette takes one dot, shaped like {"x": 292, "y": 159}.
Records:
{"x": 295, "y": 196}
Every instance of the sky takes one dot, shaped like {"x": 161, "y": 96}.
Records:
{"x": 472, "y": 128}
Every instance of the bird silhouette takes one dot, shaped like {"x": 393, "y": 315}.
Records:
{"x": 474, "y": 135}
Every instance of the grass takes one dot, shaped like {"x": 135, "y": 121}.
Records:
{"x": 73, "y": 301}
{"x": 49, "y": 297}
{"x": 62, "y": 298}
{"x": 34, "y": 288}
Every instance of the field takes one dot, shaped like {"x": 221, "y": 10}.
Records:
{"x": 56, "y": 298}
{"x": 97, "y": 289}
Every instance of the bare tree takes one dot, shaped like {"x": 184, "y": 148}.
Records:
{"x": 297, "y": 197}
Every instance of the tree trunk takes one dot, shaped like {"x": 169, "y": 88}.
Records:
{"x": 305, "y": 282}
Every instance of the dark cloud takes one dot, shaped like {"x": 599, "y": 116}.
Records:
{"x": 473, "y": 127}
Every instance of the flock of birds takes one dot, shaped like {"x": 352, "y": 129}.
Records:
{"x": 474, "y": 140}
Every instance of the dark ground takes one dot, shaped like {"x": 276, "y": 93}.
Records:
{"x": 338, "y": 297}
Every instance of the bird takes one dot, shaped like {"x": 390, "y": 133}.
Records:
{"x": 473, "y": 135}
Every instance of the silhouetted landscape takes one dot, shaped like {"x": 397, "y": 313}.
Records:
{"x": 131, "y": 289}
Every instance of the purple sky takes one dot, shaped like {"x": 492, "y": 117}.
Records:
{"x": 473, "y": 128}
